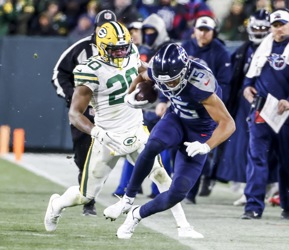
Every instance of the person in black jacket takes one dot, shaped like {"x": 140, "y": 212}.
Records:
{"x": 63, "y": 82}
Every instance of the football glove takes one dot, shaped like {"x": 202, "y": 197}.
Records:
{"x": 194, "y": 148}
{"x": 132, "y": 102}
{"x": 104, "y": 138}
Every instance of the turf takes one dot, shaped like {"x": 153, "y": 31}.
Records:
{"x": 24, "y": 198}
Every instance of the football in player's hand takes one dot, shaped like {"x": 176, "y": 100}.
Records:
{"x": 147, "y": 92}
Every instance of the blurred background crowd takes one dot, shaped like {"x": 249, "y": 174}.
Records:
{"x": 75, "y": 18}
{"x": 154, "y": 23}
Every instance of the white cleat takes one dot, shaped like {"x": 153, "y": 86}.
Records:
{"x": 189, "y": 232}
{"x": 125, "y": 231}
{"x": 51, "y": 219}
{"x": 121, "y": 207}
{"x": 240, "y": 202}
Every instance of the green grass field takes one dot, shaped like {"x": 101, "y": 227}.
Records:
{"x": 23, "y": 203}
{"x": 24, "y": 197}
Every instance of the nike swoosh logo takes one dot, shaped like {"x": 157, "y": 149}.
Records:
{"x": 255, "y": 214}
{"x": 79, "y": 70}
{"x": 206, "y": 83}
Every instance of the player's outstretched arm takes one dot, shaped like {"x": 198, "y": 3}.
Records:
{"x": 143, "y": 76}
{"x": 219, "y": 113}
{"x": 80, "y": 101}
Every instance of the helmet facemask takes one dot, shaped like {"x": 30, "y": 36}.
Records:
{"x": 258, "y": 32}
{"x": 117, "y": 55}
{"x": 114, "y": 44}
{"x": 259, "y": 26}
{"x": 176, "y": 83}
{"x": 170, "y": 67}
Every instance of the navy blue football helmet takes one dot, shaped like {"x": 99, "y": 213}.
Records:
{"x": 169, "y": 67}
{"x": 258, "y": 26}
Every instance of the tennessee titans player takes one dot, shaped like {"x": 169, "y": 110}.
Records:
{"x": 197, "y": 121}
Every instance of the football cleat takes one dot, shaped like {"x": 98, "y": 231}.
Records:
{"x": 249, "y": 215}
{"x": 121, "y": 207}
{"x": 89, "y": 210}
{"x": 285, "y": 214}
{"x": 241, "y": 201}
{"x": 189, "y": 232}
{"x": 51, "y": 219}
{"x": 125, "y": 231}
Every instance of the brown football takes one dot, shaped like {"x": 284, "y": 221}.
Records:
{"x": 147, "y": 92}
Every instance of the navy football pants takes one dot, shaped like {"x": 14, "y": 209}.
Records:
{"x": 261, "y": 139}
{"x": 168, "y": 132}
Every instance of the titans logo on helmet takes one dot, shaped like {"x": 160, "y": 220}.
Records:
{"x": 276, "y": 61}
{"x": 183, "y": 54}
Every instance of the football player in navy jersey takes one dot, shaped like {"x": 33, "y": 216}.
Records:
{"x": 233, "y": 161}
{"x": 212, "y": 52}
{"x": 103, "y": 81}
{"x": 197, "y": 121}
{"x": 268, "y": 74}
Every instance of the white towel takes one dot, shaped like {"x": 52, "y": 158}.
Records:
{"x": 260, "y": 57}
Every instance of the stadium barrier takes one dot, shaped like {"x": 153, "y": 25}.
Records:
{"x": 28, "y": 100}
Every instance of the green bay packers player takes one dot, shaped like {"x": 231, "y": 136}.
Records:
{"x": 103, "y": 82}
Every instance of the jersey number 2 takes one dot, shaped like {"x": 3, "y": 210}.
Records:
{"x": 117, "y": 96}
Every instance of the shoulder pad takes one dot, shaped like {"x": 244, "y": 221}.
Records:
{"x": 202, "y": 78}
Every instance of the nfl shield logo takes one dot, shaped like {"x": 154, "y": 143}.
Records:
{"x": 107, "y": 16}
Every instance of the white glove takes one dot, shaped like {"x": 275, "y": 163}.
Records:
{"x": 132, "y": 102}
{"x": 194, "y": 148}
{"x": 103, "y": 137}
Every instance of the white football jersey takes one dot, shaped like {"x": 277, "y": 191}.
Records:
{"x": 110, "y": 85}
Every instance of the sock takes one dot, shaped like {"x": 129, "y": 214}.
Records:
{"x": 129, "y": 200}
{"x": 180, "y": 216}
{"x": 136, "y": 214}
{"x": 70, "y": 198}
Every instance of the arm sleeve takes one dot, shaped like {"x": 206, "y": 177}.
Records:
{"x": 63, "y": 79}
{"x": 248, "y": 82}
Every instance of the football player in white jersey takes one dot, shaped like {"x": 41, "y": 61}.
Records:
{"x": 103, "y": 82}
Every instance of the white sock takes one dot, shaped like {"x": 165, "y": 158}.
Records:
{"x": 136, "y": 214}
{"x": 160, "y": 177}
{"x": 129, "y": 200}
{"x": 180, "y": 216}
{"x": 71, "y": 197}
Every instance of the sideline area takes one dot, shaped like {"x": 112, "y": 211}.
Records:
{"x": 213, "y": 216}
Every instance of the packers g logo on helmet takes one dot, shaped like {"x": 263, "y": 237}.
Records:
{"x": 113, "y": 42}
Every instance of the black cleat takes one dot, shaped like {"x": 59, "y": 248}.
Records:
{"x": 89, "y": 210}
{"x": 285, "y": 214}
{"x": 249, "y": 215}
{"x": 206, "y": 186}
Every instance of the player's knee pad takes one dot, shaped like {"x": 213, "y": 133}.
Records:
{"x": 160, "y": 177}
{"x": 173, "y": 197}
{"x": 181, "y": 186}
